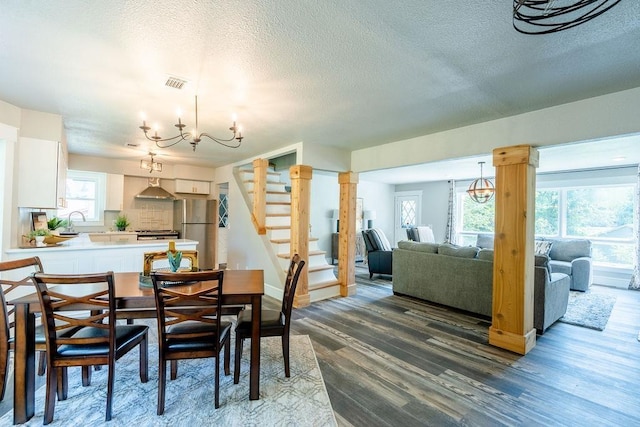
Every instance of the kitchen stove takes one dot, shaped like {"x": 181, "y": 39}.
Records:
{"x": 157, "y": 234}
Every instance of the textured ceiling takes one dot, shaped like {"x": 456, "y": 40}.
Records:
{"x": 349, "y": 74}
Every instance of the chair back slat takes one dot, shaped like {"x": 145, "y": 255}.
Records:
{"x": 15, "y": 281}
{"x": 291, "y": 283}
{"x": 77, "y": 301}
{"x": 187, "y": 297}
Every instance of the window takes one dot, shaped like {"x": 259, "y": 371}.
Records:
{"x": 86, "y": 192}
{"x": 600, "y": 213}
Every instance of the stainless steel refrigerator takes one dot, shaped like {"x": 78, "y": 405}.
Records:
{"x": 197, "y": 219}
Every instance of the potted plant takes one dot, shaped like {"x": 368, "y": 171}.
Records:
{"x": 55, "y": 223}
{"x": 122, "y": 222}
{"x": 39, "y": 235}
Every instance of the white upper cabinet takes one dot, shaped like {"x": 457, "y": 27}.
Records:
{"x": 193, "y": 187}
{"x": 115, "y": 192}
{"x": 42, "y": 174}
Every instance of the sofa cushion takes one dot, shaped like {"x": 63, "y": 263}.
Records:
{"x": 543, "y": 247}
{"x": 419, "y": 246}
{"x": 484, "y": 241}
{"x": 560, "y": 266}
{"x": 568, "y": 250}
{"x": 485, "y": 254}
{"x": 458, "y": 251}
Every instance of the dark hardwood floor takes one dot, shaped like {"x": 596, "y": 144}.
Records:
{"x": 397, "y": 361}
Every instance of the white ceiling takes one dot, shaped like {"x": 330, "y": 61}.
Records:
{"x": 348, "y": 74}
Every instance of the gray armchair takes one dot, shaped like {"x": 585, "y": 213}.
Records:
{"x": 379, "y": 252}
{"x": 573, "y": 258}
{"x": 551, "y": 294}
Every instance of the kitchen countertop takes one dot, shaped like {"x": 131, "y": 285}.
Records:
{"x": 80, "y": 244}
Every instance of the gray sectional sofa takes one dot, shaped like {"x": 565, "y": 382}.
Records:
{"x": 569, "y": 256}
{"x": 462, "y": 277}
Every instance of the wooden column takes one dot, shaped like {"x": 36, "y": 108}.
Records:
{"x": 300, "y": 213}
{"x": 513, "y": 263}
{"x": 347, "y": 233}
{"x": 259, "y": 213}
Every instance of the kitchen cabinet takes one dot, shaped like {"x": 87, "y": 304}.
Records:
{"x": 193, "y": 187}
{"x": 42, "y": 174}
{"x": 115, "y": 192}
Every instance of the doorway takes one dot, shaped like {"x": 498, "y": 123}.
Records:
{"x": 408, "y": 213}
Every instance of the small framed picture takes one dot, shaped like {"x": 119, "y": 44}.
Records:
{"x": 39, "y": 220}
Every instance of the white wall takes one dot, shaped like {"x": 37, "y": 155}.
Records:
{"x": 435, "y": 201}
{"x": 380, "y": 198}
{"x": 325, "y": 196}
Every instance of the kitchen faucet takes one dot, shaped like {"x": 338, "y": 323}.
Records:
{"x": 70, "y": 224}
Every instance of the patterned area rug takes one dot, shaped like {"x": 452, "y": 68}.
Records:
{"x": 589, "y": 310}
{"x": 300, "y": 400}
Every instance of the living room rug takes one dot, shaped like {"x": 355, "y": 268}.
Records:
{"x": 300, "y": 400}
{"x": 589, "y": 310}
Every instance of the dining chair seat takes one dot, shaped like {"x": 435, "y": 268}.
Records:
{"x": 272, "y": 320}
{"x": 126, "y": 336}
{"x": 184, "y": 343}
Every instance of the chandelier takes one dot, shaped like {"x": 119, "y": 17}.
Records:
{"x": 481, "y": 190}
{"x": 193, "y": 137}
{"x": 151, "y": 165}
{"x": 550, "y": 16}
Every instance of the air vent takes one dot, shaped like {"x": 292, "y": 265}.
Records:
{"x": 175, "y": 82}
{"x": 131, "y": 144}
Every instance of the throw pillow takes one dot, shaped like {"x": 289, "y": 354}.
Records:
{"x": 425, "y": 234}
{"x": 380, "y": 239}
{"x": 543, "y": 247}
{"x": 485, "y": 254}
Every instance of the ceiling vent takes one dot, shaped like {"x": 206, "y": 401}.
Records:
{"x": 175, "y": 82}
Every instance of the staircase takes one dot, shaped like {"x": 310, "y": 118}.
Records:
{"x": 322, "y": 280}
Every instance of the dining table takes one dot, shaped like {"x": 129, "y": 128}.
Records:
{"x": 133, "y": 300}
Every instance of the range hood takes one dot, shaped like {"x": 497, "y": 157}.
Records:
{"x": 154, "y": 191}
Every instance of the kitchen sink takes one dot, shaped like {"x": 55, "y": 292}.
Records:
{"x": 68, "y": 233}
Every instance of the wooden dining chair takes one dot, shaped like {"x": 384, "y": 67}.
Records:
{"x": 97, "y": 340}
{"x": 16, "y": 281}
{"x": 190, "y": 326}
{"x": 273, "y": 323}
{"x": 152, "y": 258}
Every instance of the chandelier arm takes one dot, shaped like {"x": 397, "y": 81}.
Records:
{"x": 181, "y": 136}
{"x": 546, "y": 11}
{"x": 168, "y": 145}
{"x": 223, "y": 141}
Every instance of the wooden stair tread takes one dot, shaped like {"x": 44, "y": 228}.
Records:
{"x": 278, "y": 214}
{"x": 321, "y": 268}
{"x": 281, "y": 241}
{"x": 322, "y": 285}
{"x": 279, "y": 203}
{"x": 278, "y": 227}
{"x": 286, "y": 256}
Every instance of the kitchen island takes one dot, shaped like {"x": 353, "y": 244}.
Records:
{"x": 81, "y": 255}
